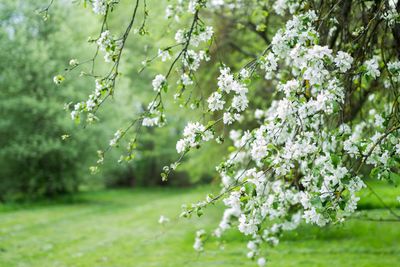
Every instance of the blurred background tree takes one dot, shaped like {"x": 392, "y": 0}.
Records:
{"x": 42, "y": 152}
{"x": 34, "y": 159}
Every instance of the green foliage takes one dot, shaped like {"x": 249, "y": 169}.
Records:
{"x": 42, "y": 151}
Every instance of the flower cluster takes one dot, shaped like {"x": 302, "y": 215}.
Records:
{"x": 391, "y": 15}
{"x": 164, "y": 55}
{"x": 115, "y": 139}
{"x": 343, "y": 61}
{"x": 100, "y": 6}
{"x": 193, "y": 135}
{"x": 102, "y": 88}
{"x": 269, "y": 65}
{"x": 154, "y": 116}
{"x": 394, "y": 69}
{"x": 299, "y": 172}
{"x": 109, "y": 45}
{"x": 159, "y": 82}
{"x": 199, "y": 240}
{"x": 215, "y": 102}
{"x": 281, "y": 6}
{"x": 228, "y": 85}
{"x": 190, "y": 56}
{"x": 379, "y": 147}
{"x": 372, "y": 68}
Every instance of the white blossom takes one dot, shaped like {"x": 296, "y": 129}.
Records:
{"x": 343, "y": 61}
{"x": 228, "y": 118}
{"x": 185, "y": 79}
{"x": 99, "y": 6}
{"x": 164, "y": 55}
{"x": 109, "y": 45}
{"x": 261, "y": 262}
{"x": 158, "y": 82}
{"x": 215, "y": 102}
{"x": 117, "y": 136}
{"x": 372, "y": 68}
{"x": 198, "y": 243}
{"x": 269, "y": 65}
{"x": 163, "y": 220}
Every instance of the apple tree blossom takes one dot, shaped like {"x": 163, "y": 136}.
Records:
{"x": 332, "y": 118}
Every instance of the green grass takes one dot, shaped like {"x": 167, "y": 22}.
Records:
{"x": 119, "y": 228}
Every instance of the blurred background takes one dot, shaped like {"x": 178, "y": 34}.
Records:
{"x": 53, "y": 212}
{"x": 33, "y": 121}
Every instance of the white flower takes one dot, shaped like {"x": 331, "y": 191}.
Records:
{"x": 180, "y": 36}
{"x": 398, "y": 149}
{"x": 244, "y": 73}
{"x": 351, "y": 205}
{"x": 193, "y": 5}
{"x": 215, "y": 102}
{"x": 259, "y": 150}
{"x": 181, "y": 146}
{"x": 150, "y": 122}
{"x": 247, "y": 226}
{"x": 90, "y": 104}
{"x": 225, "y": 80}
{"x": 312, "y": 216}
{"x": 258, "y": 114}
{"x": 270, "y": 65}
{"x": 203, "y": 36}
{"x": 390, "y": 14}
{"x": 74, "y": 114}
{"x": 158, "y": 82}
{"x": 154, "y": 117}
{"x": 289, "y": 87}
{"x": 163, "y": 220}
{"x": 280, "y": 7}
{"x": 279, "y": 44}
{"x": 193, "y": 134}
{"x": 343, "y": 61}
{"x": 379, "y": 120}
{"x": 372, "y": 67}
{"x": 185, "y": 79}
{"x": 217, "y": 3}
{"x": 117, "y": 136}
{"x": 169, "y": 11}
{"x": 109, "y": 45}
{"x": 99, "y": 7}
{"x": 228, "y": 118}
{"x": 73, "y": 62}
{"x": 394, "y": 69}
{"x": 192, "y": 59}
{"x": 318, "y": 52}
{"x": 58, "y": 79}
{"x": 164, "y": 54}
{"x": 261, "y": 262}
{"x": 240, "y": 102}
{"x": 198, "y": 242}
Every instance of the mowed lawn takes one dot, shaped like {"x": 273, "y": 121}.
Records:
{"x": 119, "y": 228}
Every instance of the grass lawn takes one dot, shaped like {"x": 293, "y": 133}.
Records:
{"x": 119, "y": 228}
